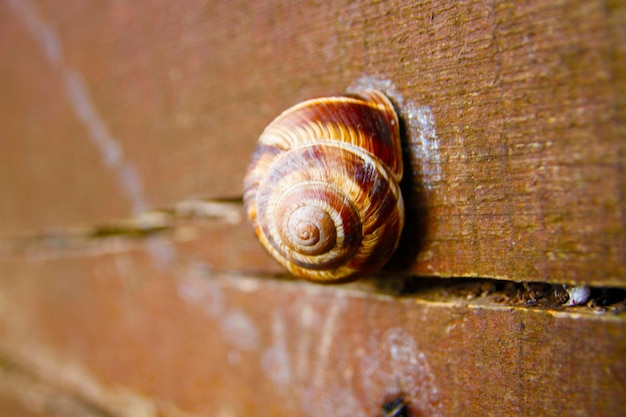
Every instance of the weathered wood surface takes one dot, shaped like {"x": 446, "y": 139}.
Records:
{"x": 127, "y": 289}
{"x": 514, "y": 117}
{"x": 122, "y": 333}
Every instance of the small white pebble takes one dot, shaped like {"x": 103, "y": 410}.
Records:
{"x": 577, "y": 295}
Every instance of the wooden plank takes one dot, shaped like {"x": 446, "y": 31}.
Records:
{"x": 514, "y": 117}
{"x": 130, "y": 337}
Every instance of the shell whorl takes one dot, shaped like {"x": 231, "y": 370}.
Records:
{"x": 322, "y": 189}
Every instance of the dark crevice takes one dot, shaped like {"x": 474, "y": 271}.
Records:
{"x": 143, "y": 225}
{"x": 103, "y": 232}
{"x": 504, "y": 293}
{"x": 486, "y": 292}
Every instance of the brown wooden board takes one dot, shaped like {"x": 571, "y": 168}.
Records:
{"x": 122, "y": 333}
{"x": 513, "y": 116}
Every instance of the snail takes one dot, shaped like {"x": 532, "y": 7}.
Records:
{"x": 322, "y": 189}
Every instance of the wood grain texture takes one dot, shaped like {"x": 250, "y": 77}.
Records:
{"x": 513, "y": 112}
{"x": 130, "y": 284}
{"x": 122, "y": 333}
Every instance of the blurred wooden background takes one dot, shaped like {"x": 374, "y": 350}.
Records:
{"x": 131, "y": 285}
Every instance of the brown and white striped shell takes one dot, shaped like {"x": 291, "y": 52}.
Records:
{"x": 322, "y": 190}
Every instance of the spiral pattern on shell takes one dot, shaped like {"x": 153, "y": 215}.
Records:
{"x": 322, "y": 190}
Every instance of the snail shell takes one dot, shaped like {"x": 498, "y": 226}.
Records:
{"x": 322, "y": 189}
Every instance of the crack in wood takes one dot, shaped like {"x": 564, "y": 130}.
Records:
{"x": 144, "y": 224}
{"x": 487, "y": 291}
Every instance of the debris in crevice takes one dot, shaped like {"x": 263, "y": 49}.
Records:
{"x": 485, "y": 291}
{"x": 577, "y": 294}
